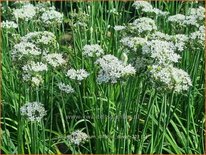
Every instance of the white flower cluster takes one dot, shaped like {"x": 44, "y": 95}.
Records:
{"x": 54, "y": 59}
{"x": 8, "y": 25}
{"x": 20, "y": 3}
{"x": 145, "y": 6}
{"x": 51, "y": 17}
{"x": 35, "y": 54}
{"x": 65, "y": 88}
{"x": 41, "y": 7}
{"x": 112, "y": 69}
{"x": 35, "y": 67}
{"x": 27, "y": 12}
{"x": 133, "y": 43}
{"x": 41, "y": 12}
{"x": 41, "y": 38}
{"x": 195, "y": 18}
{"x": 171, "y": 78}
{"x": 161, "y": 51}
{"x": 80, "y": 18}
{"x": 142, "y": 5}
{"x": 160, "y": 36}
{"x": 77, "y": 137}
{"x": 180, "y": 41}
{"x": 93, "y": 50}
{"x": 25, "y": 49}
{"x": 36, "y": 80}
{"x": 178, "y": 19}
{"x": 198, "y": 13}
{"x": 145, "y": 45}
{"x": 32, "y": 72}
{"x": 197, "y": 38}
{"x": 79, "y": 74}
{"x": 34, "y": 111}
{"x": 159, "y": 12}
{"x": 143, "y": 25}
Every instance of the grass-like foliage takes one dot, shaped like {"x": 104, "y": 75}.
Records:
{"x": 102, "y": 77}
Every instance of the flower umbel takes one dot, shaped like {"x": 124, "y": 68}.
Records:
{"x": 171, "y": 78}
{"x": 77, "y": 137}
{"x": 111, "y": 69}
{"x": 79, "y": 74}
{"x": 65, "y": 88}
{"x": 92, "y": 50}
{"x": 34, "y": 111}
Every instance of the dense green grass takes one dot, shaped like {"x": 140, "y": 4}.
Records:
{"x": 148, "y": 120}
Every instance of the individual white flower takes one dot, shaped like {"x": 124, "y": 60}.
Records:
{"x": 112, "y": 69}
{"x": 119, "y": 27}
{"x": 133, "y": 42}
{"x": 54, "y": 59}
{"x": 35, "y": 67}
{"x": 171, "y": 78}
{"x": 92, "y": 50}
{"x": 143, "y": 25}
{"x": 34, "y": 111}
{"x": 41, "y": 38}
{"x": 52, "y": 17}
{"x": 79, "y": 74}
{"x": 27, "y": 12}
{"x": 25, "y": 49}
{"x": 77, "y": 137}
{"x": 8, "y": 25}
{"x": 161, "y": 51}
{"x": 65, "y": 88}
